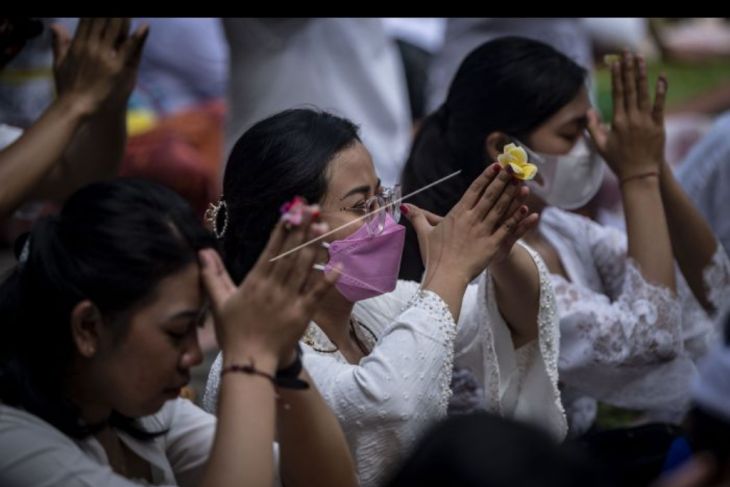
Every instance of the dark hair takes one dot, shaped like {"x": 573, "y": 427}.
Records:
{"x": 111, "y": 244}
{"x": 510, "y": 84}
{"x": 483, "y": 450}
{"x": 283, "y": 156}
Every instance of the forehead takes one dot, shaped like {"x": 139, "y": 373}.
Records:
{"x": 575, "y": 109}
{"x": 177, "y": 292}
{"x": 351, "y": 167}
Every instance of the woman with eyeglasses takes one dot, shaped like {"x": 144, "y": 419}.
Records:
{"x": 381, "y": 350}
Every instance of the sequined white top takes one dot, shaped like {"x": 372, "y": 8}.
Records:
{"x": 402, "y": 386}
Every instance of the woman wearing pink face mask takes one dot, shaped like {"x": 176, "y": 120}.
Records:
{"x": 631, "y": 327}
{"x": 381, "y": 350}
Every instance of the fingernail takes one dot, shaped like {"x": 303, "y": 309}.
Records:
{"x": 404, "y": 209}
{"x": 523, "y": 209}
{"x": 515, "y": 181}
{"x": 497, "y": 167}
{"x": 510, "y": 170}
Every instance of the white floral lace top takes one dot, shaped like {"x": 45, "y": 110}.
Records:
{"x": 623, "y": 340}
{"x": 402, "y": 386}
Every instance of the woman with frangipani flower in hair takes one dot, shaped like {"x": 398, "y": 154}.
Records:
{"x": 631, "y": 326}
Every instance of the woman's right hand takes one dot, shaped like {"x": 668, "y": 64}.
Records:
{"x": 488, "y": 220}
{"x": 266, "y": 315}
{"x": 99, "y": 65}
{"x": 634, "y": 145}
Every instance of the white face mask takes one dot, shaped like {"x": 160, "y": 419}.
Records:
{"x": 570, "y": 180}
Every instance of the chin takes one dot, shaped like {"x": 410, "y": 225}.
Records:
{"x": 147, "y": 409}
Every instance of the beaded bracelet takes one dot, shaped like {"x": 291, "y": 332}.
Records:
{"x": 286, "y": 378}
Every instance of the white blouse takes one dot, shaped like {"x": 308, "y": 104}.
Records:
{"x": 34, "y": 453}
{"x": 385, "y": 402}
{"x": 625, "y": 341}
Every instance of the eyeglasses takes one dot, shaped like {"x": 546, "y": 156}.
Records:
{"x": 387, "y": 198}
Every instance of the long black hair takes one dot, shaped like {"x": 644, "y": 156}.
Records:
{"x": 280, "y": 157}
{"x": 111, "y": 244}
{"x": 510, "y": 84}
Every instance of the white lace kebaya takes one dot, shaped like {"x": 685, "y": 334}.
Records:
{"x": 623, "y": 340}
{"x": 385, "y": 402}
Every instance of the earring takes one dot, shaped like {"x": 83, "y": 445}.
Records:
{"x": 212, "y": 214}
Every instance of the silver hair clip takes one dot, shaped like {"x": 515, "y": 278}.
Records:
{"x": 211, "y": 216}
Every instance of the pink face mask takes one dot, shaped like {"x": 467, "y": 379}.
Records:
{"x": 370, "y": 264}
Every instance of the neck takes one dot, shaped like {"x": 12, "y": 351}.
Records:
{"x": 85, "y": 396}
{"x": 333, "y": 316}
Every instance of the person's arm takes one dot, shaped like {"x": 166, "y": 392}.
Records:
{"x": 27, "y": 161}
{"x": 81, "y": 136}
{"x": 305, "y": 419}
{"x": 242, "y": 452}
{"x": 693, "y": 242}
{"x": 634, "y": 149}
{"x": 95, "y": 152}
{"x": 258, "y": 324}
{"x": 517, "y": 289}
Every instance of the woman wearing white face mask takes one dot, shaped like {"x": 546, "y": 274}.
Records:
{"x": 631, "y": 327}
{"x": 381, "y": 350}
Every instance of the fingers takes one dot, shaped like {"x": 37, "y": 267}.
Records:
{"x": 432, "y": 218}
{"x": 528, "y": 223}
{"x": 493, "y": 194}
{"x": 314, "y": 294}
{"x": 419, "y": 219}
{"x": 272, "y": 249}
{"x": 510, "y": 229}
{"x": 83, "y": 30}
{"x": 617, "y": 92}
{"x": 111, "y": 33}
{"x": 477, "y": 187}
{"x": 132, "y": 48}
{"x": 306, "y": 258}
{"x": 61, "y": 41}
{"x": 659, "y": 100}
{"x": 642, "y": 85}
{"x": 217, "y": 282}
{"x": 296, "y": 235}
{"x": 97, "y": 29}
{"x": 629, "y": 83}
{"x": 517, "y": 201}
{"x": 597, "y": 130}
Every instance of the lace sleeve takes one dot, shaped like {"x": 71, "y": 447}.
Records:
{"x": 642, "y": 326}
{"x": 717, "y": 279}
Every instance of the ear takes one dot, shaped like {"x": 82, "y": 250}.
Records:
{"x": 86, "y": 323}
{"x": 494, "y": 144}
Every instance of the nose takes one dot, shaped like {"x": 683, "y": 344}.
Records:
{"x": 192, "y": 355}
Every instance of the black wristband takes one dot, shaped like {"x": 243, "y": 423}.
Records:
{"x": 288, "y": 377}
